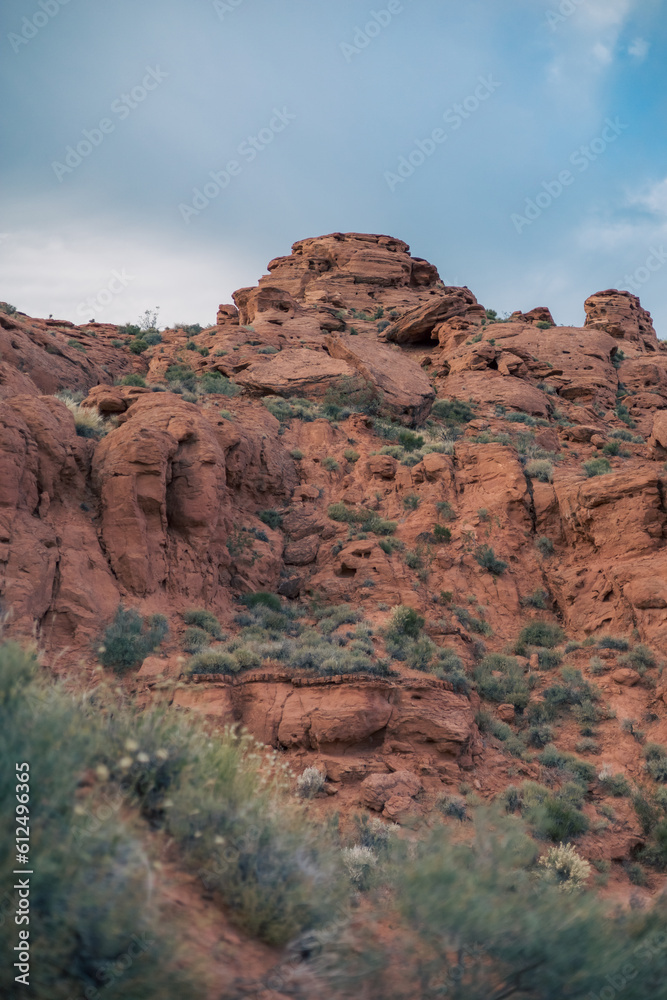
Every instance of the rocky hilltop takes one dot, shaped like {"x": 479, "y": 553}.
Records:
{"x": 354, "y": 436}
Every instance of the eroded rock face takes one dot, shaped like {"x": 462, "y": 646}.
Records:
{"x": 406, "y": 392}
{"x": 299, "y": 372}
{"x": 344, "y": 715}
{"x": 621, "y": 315}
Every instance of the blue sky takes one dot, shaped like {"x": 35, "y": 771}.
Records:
{"x": 314, "y": 106}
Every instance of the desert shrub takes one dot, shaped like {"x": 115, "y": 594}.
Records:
{"x": 448, "y": 666}
{"x": 640, "y": 657}
{"x": 296, "y": 454}
{"x": 565, "y": 867}
{"x": 476, "y": 625}
{"x": 655, "y": 756}
{"x": 138, "y": 346}
{"x": 587, "y": 745}
{"x": 310, "y": 782}
{"x": 540, "y": 469}
{"x": 271, "y": 518}
{"x": 538, "y": 599}
{"x": 369, "y": 520}
{"x": 539, "y": 633}
{"x": 7, "y": 308}
{"x": 413, "y": 559}
{"x": 556, "y": 819}
{"x": 596, "y": 467}
{"x": 333, "y": 616}
{"x": 262, "y": 598}
{"x": 441, "y": 534}
{"x": 510, "y": 687}
{"x": 90, "y": 888}
{"x": 214, "y": 382}
{"x": 77, "y": 345}
{"x": 294, "y": 408}
{"x": 596, "y": 666}
{"x": 129, "y": 639}
{"x": 539, "y": 734}
{"x": 623, "y": 414}
{"x": 205, "y": 620}
{"x": 405, "y": 621}
{"x": 452, "y": 411}
{"x": 214, "y": 661}
{"x": 613, "y": 642}
{"x": 411, "y": 501}
{"x": 330, "y": 464}
{"x": 548, "y": 659}
{"x": 445, "y": 510}
{"x": 351, "y": 394}
{"x": 195, "y": 639}
{"x": 359, "y": 863}
{"x": 454, "y": 806}
{"x": 87, "y": 421}
{"x": 133, "y": 379}
{"x": 544, "y": 546}
{"x": 613, "y": 784}
{"x": 488, "y": 560}
{"x": 350, "y": 455}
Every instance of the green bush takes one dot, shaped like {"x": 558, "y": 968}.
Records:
{"x": 613, "y": 642}
{"x": 540, "y": 469}
{"x": 452, "y": 411}
{"x": 405, "y": 621}
{"x": 270, "y": 517}
{"x": 540, "y": 633}
{"x": 488, "y": 560}
{"x": 511, "y": 687}
{"x": 214, "y": 661}
{"x": 369, "y": 520}
{"x": 195, "y": 639}
{"x": 350, "y": 455}
{"x": 544, "y": 546}
{"x": 330, "y": 464}
{"x": 262, "y": 598}
{"x": 655, "y": 756}
{"x": 133, "y": 379}
{"x": 411, "y": 501}
{"x": 93, "y": 927}
{"x": 214, "y": 383}
{"x": 205, "y": 620}
{"x": 441, "y": 533}
{"x": 596, "y": 467}
{"x": 138, "y": 346}
{"x": 129, "y": 639}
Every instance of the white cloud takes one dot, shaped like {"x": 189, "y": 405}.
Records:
{"x": 60, "y": 267}
{"x": 639, "y": 49}
{"x": 602, "y": 53}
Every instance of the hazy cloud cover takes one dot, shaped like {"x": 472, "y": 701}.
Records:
{"x": 168, "y": 150}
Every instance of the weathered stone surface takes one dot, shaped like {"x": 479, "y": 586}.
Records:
{"x": 418, "y": 325}
{"x": 299, "y": 372}
{"x": 405, "y": 391}
{"x": 621, "y": 315}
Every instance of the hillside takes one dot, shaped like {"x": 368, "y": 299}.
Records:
{"x": 399, "y": 539}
